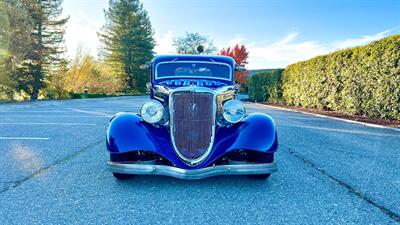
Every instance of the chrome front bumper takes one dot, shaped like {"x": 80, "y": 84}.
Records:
{"x": 145, "y": 169}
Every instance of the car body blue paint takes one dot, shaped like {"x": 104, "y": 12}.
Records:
{"x": 128, "y": 132}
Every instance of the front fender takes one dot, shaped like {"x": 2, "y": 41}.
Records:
{"x": 255, "y": 132}
{"x": 128, "y": 132}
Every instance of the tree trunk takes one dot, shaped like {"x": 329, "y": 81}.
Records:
{"x": 34, "y": 94}
{"x": 38, "y": 74}
{"x": 36, "y": 84}
{"x": 129, "y": 70}
{"x": 129, "y": 82}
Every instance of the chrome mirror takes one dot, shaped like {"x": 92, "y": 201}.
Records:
{"x": 145, "y": 66}
{"x": 148, "y": 87}
{"x": 239, "y": 68}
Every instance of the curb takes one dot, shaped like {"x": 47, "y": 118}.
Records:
{"x": 331, "y": 117}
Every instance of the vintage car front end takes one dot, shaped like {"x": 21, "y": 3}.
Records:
{"x": 192, "y": 127}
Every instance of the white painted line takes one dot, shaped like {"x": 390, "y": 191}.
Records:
{"x": 47, "y": 116}
{"x": 23, "y": 138}
{"x": 37, "y": 111}
{"x": 330, "y": 117}
{"x": 92, "y": 112}
{"x": 67, "y": 124}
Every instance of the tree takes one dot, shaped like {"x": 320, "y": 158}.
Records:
{"x": 47, "y": 45}
{"x": 98, "y": 77}
{"x": 190, "y": 42}
{"x": 240, "y": 54}
{"x": 128, "y": 40}
{"x": 15, "y": 43}
{"x": 56, "y": 82}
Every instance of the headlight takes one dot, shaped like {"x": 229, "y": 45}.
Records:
{"x": 233, "y": 111}
{"x": 152, "y": 111}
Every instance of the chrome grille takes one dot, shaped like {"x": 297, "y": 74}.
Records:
{"x": 192, "y": 124}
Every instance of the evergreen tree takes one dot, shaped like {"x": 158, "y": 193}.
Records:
{"x": 47, "y": 45}
{"x": 15, "y": 43}
{"x": 128, "y": 40}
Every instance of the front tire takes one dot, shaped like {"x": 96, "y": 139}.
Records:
{"x": 121, "y": 176}
{"x": 123, "y": 157}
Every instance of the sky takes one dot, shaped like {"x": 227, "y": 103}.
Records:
{"x": 276, "y": 33}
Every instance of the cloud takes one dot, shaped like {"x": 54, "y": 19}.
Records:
{"x": 361, "y": 41}
{"x": 278, "y": 54}
{"x": 283, "y": 52}
{"x": 287, "y": 39}
{"x": 287, "y": 51}
{"x": 237, "y": 40}
{"x": 164, "y": 43}
{"x": 82, "y": 30}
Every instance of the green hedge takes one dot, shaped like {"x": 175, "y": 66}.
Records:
{"x": 362, "y": 80}
{"x": 266, "y": 86}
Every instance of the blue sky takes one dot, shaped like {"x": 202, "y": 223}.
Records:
{"x": 277, "y": 33}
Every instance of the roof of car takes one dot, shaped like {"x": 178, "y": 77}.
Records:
{"x": 212, "y": 58}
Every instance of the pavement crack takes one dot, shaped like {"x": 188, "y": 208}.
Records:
{"x": 359, "y": 194}
{"x": 16, "y": 184}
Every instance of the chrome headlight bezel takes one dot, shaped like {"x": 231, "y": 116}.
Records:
{"x": 152, "y": 111}
{"x": 233, "y": 111}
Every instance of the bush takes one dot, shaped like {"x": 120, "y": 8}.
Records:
{"x": 266, "y": 86}
{"x": 362, "y": 80}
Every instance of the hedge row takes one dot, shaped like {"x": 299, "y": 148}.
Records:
{"x": 362, "y": 80}
{"x": 266, "y": 86}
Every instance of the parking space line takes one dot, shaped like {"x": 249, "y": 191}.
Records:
{"x": 48, "y": 116}
{"x": 24, "y": 138}
{"x": 92, "y": 112}
{"x": 36, "y": 111}
{"x": 67, "y": 124}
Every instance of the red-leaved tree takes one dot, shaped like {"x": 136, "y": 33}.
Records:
{"x": 240, "y": 54}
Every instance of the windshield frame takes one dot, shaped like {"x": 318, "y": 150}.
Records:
{"x": 193, "y": 77}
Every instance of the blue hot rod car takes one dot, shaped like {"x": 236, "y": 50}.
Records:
{"x": 192, "y": 127}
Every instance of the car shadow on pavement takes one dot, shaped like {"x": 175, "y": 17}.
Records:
{"x": 223, "y": 181}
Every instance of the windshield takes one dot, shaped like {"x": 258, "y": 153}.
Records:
{"x": 193, "y": 70}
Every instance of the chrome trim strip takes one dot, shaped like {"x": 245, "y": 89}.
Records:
{"x": 182, "y": 61}
{"x": 241, "y": 169}
{"x": 193, "y": 162}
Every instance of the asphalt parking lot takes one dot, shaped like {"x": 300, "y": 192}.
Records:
{"x": 53, "y": 171}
